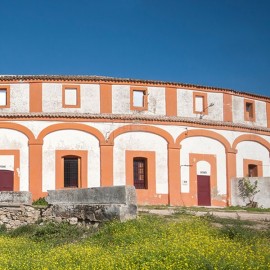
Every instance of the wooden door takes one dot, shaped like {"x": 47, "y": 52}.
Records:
{"x": 6, "y": 180}
{"x": 203, "y": 189}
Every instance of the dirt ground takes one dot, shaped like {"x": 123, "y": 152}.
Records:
{"x": 237, "y": 214}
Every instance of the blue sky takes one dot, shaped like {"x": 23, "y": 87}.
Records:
{"x": 223, "y": 43}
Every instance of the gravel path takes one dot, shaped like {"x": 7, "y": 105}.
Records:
{"x": 241, "y": 214}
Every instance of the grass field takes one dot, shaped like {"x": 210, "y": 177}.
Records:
{"x": 176, "y": 242}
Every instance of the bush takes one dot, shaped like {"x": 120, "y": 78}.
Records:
{"x": 40, "y": 201}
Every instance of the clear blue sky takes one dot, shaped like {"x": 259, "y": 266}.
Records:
{"x": 223, "y": 43}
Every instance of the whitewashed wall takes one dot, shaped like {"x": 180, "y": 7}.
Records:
{"x": 70, "y": 140}
{"x": 52, "y": 98}
{"x": 19, "y": 98}
{"x": 202, "y": 145}
{"x": 254, "y": 151}
{"x": 185, "y": 105}
{"x": 238, "y": 111}
{"x": 121, "y": 100}
{"x": 141, "y": 141}
{"x": 15, "y": 140}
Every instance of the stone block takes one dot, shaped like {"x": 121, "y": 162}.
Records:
{"x": 98, "y": 195}
{"x": 12, "y": 197}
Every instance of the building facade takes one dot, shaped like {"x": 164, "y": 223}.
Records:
{"x": 179, "y": 144}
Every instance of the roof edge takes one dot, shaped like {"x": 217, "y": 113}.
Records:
{"x": 95, "y": 78}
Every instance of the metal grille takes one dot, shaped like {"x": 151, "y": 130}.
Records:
{"x": 71, "y": 172}
{"x": 140, "y": 173}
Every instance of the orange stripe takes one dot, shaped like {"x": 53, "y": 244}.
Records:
{"x": 35, "y": 97}
{"x": 268, "y": 114}
{"x": 106, "y": 165}
{"x": 227, "y": 108}
{"x": 171, "y": 101}
{"x": 105, "y": 98}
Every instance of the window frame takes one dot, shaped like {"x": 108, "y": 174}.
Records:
{"x": 59, "y": 167}
{"x": 205, "y": 103}
{"x": 145, "y": 99}
{"x": 78, "y": 173}
{"x": 140, "y": 184}
{"x": 248, "y": 162}
{"x": 78, "y": 96}
{"x": 249, "y": 116}
{"x": 7, "y": 89}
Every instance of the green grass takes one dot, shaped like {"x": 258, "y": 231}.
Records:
{"x": 40, "y": 202}
{"x": 150, "y": 242}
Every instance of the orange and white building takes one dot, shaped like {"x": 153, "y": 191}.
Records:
{"x": 179, "y": 144}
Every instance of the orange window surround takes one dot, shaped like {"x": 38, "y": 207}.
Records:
{"x": 200, "y": 108}
{"x": 4, "y": 96}
{"x": 71, "y": 96}
{"x": 249, "y": 107}
{"x": 138, "y": 99}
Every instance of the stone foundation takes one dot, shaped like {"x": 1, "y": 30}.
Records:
{"x": 85, "y": 207}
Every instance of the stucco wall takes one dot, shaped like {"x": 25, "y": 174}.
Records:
{"x": 70, "y": 140}
{"x": 202, "y": 145}
{"x": 238, "y": 112}
{"x": 141, "y": 141}
{"x": 262, "y": 197}
{"x": 185, "y": 105}
{"x": 253, "y": 151}
{"x": 52, "y": 98}
{"x": 19, "y": 98}
{"x": 121, "y": 100}
{"x": 15, "y": 140}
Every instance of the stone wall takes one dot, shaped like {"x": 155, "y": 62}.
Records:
{"x": 87, "y": 207}
{"x": 262, "y": 197}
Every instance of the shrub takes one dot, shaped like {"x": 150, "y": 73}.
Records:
{"x": 40, "y": 201}
{"x": 247, "y": 190}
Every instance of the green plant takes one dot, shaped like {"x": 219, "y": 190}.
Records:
{"x": 40, "y": 201}
{"x": 248, "y": 190}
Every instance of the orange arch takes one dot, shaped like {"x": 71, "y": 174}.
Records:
{"x": 253, "y": 138}
{"x": 14, "y": 126}
{"x": 204, "y": 133}
{"x": 73, "y": 126}
{"x": 135, "y": 128}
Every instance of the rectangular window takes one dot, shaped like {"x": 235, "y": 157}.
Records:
{"x": 71, "y": 96}
{"x": 249, "y": 111}
{"x": 138, "y": 99}
{"x": 4, "y": 96}
{"x": 140, "y": 173}
{"x": 252, "y": 170}
{"x": 71, "y": 172}
{"x": 200, "y": 103}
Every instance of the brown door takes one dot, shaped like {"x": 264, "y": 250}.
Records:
{"x": 203, "y": 187}
{"x": 6, "y": 180}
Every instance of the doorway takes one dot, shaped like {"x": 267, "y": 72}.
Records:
{"x": 6, "y": 180}
{"x": 204, "y": 191}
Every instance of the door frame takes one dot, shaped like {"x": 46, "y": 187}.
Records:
{"x": 193, "y": 159}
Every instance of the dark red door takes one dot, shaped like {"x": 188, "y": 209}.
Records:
{"x": 203, "y": 187}
{"x": 6, "y": 180}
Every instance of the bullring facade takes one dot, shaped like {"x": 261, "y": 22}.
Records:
{"x": 178, "y": 144}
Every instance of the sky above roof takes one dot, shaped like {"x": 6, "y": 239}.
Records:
{"x": 223, "y": 43}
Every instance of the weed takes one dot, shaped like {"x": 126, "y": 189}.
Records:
{"x": 40, "y": 201}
